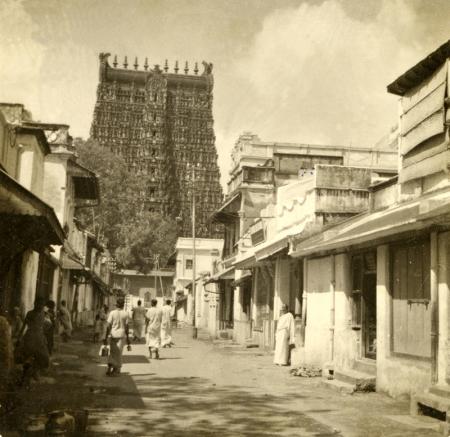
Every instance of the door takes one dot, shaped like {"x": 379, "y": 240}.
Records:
{"x": 369, "y": 317}
{"x": 364, "y": 301}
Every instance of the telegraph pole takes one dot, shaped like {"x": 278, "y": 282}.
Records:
{"x": 194, "y": 328}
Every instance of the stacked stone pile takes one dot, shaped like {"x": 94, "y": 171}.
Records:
{"x": 306, "y": 371}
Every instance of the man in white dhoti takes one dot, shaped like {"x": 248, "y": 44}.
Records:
{"x": 138, "y": 316}
{"x": 118, "y": 328}
{"x": 166, "y": 324}
{"x": 153, "y": 323}
{"x": 284, "y": 337}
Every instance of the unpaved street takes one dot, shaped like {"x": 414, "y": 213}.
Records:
{"x": 199, "y": 389}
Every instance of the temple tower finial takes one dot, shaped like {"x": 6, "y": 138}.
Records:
{"x": 125, "y": 62}
{"x": 115, "y": 61}
{"x": 176, "y": 67}
{"x": 136, "y": 65}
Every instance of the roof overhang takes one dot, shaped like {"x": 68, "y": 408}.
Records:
{"x": 421, "y": 71}
{"x": 280, "y": 243}
{"x": 38, "y": 133}
{"x": 24, "y": 218}
{"x": 381, "y": 226}
{"x": 228, "y": 212}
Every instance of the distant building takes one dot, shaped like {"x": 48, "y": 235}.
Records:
{"x": 161, "y": 123}
{"x": 156, "y": 284}
{"x": 207, "y": 251}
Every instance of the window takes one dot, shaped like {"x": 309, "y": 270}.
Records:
{"x": 189, "y": 264}
{"x": 411, "y": 313}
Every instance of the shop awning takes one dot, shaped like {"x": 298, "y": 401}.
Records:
{"x": 25, "y": 220}
{"x": 246, "y": 276}
{"x": 385, "y": 225}
{"x": 71, "y": 263}
{"x": 228, "y": 211}
{"x": 224, "y": 274}
{"x": 279, "y": 243}
{"x": 104, "y": 288}
{"x": 246, "y": 261}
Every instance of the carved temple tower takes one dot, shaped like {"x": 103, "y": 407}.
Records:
{"x": 161, "y": 123}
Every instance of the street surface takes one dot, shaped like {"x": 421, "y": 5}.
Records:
{"x": 201, "y": 389}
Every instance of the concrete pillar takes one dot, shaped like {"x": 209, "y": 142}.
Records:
{"x": 237, "y": 310}
{"x": 434, "y": 305}
{"x": 443, "y": 315}
{"x": 255, "y": 293}
{"x": 282, "y": 286}
{"x": 384, "y": 309}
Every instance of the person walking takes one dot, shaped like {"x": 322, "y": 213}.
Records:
{"x": 103, "y": 316}
{"x": 118, "y": 328}
{"x": 166, "y": 324}
{"x": 16, "y": 323}
{"x": 34, "y": 344}
{"x": 65, "y": 321}
{"x": 153, "y": 328}
{"x": 49, "y": 324}
{"x": 284, "y": 338}
{"x": 138, "y": 316}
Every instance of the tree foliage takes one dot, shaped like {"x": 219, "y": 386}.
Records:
{"x": 133, "y": 234}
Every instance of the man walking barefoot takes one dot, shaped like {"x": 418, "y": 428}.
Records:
{"x": 138, "y": 321}
{"x": 166, "y": 325}
{"x": 118, "y": 327}
{"x": 153, "y": 320}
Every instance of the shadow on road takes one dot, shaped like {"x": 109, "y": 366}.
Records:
{"x": 194, "y": 407}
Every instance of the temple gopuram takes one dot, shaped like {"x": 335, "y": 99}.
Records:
{"x": 161, "y": 123}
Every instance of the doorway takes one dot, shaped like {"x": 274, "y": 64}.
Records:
{"x": 369, "y": 316}
{"x": 364, "y": 302}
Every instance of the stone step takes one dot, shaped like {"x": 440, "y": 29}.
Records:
{"x": 339, "y": 386}
{"x": 430, "y": 400}
{"x": 360, "y": 380}
{"x": 366, "y": 366}
{"x": 440, "y": 390}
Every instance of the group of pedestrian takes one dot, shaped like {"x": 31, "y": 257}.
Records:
{"x": 155, "y": 323}
{"x": 33, "y": 337}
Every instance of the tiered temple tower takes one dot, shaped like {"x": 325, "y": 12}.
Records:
{"x": 161, "y": 123}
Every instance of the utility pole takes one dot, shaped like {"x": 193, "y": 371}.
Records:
{"x": 194, "y": 328}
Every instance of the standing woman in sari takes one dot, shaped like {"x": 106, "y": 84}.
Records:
{"x": 34, "y": 344}
{"x": 153, "y": 322}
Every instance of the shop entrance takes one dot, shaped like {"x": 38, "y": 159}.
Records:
{"x": 364, "y": 301}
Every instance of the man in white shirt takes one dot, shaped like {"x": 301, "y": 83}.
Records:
{"x": 138, "y": 314}
{"x": 118, "y": 328}
{"x": 166, "y": 324}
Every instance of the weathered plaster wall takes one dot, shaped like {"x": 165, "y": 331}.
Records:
{"x": 400, "y": 376}
{"x": 317, "y": 335}
{"x": 345, "y": 338}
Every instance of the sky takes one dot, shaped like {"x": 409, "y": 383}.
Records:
{"x": 308, "y": 71}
